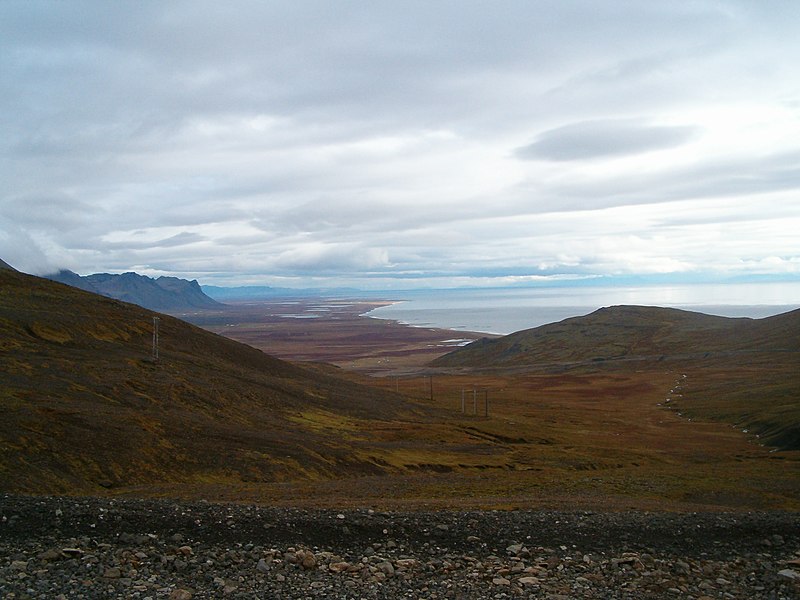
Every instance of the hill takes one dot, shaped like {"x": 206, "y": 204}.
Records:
{"x": 624, "y": 333}
{"x": 162, "y": 293}
{"x": 5, "y": 265}
{"x": 85, "y": 407}
{"x": 745, "y": 372}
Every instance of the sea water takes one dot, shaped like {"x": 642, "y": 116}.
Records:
{"x": 506, "y": 310}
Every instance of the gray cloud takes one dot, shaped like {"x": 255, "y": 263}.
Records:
{"x": 607, "y": 138}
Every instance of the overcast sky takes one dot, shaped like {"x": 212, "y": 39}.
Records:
{"x": 401, "y": 143}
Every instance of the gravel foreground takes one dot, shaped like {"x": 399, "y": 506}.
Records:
{"x": 146, "y": 549}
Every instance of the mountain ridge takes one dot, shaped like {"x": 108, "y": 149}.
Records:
{"x": 162, "y": 293}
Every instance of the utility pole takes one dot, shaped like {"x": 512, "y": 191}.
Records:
{"x": 463, "y": 407}
{"x": 486, "y": 400}
{"x": 431, "y": 380}
{"x": 474, "y": 401}
{"x": 155, "y": 338}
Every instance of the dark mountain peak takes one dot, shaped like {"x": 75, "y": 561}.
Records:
{"x": 164, "y": 293}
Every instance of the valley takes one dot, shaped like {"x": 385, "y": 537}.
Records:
{"x": 358, "y": 412}
{"x": 216, "y": 469}
{"x": 640, "y": 433}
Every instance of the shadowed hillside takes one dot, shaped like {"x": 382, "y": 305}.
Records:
{"x": 746, "y": 371}
{"x": 162, "y": 293}
{"x": 84, "y": 405}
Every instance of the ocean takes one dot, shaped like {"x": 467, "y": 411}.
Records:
{"x": 506, "y": 310}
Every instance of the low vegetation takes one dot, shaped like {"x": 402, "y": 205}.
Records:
{"x": 89, "y": 411}
{"x": 748, "y": 371}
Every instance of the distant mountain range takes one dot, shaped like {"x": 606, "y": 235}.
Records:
{"x": 163, "y": 293}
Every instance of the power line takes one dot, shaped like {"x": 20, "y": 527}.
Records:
{"x": 155, "y": 338}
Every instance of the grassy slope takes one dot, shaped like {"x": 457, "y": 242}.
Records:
{"x": 85, "y": 406}
{"x": 628, "y": 332}
{"x": 751, "y": 368}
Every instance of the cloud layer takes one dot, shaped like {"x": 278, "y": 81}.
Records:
{"x": 318, "y": 143}
{"x": 603, "y": 139}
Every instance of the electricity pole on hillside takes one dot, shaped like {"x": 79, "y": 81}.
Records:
{"x": 155, "y": 338}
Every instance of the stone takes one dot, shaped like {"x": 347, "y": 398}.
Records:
{"x": 514, "y": 549}
{"x": 789, "y": 574}
{"x": 306, "y": 559}
{"x": 406, "y": 563}
{"x": 682, "y": 567}
{"x": 339, "y": 567}
{"x": 180, "y": 594}
{"x": 528, "y": 581}
{"x": 185, "y": 550}
{"x": 501, "y": 581}
{"x": 262, "y": 566}
{"x": 51, "y": 555}
{"x": 229, "y": 588}
{"x": 19, "y": 565}
{"x": 112, "y": 573}
{"x": 386, "y": 568}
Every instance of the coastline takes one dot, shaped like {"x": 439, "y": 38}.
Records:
{"x": 338, "y": 331}
{"x": 501, "y": 311}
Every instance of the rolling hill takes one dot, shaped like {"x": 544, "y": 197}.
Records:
{"x": 623, "y": 333}
{"x": 85, "y": 406}
{"x": 745, "y": 372}
{"x": 162, "y": 293}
